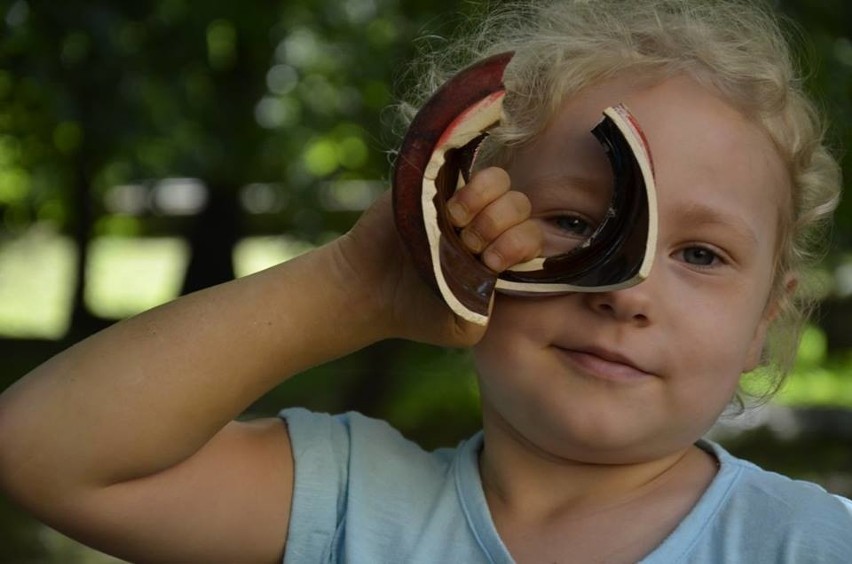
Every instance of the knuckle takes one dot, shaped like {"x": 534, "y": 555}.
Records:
{"x": 486, "y": 225}
{"x": 522, "y": 243}
{"x": 501, "y": 216}
{"x": 519, "y": 203}
{"x": 532, "y": 229}
{"x": 512, "y": 245}
{"x": 471, "y": 239}
{"x": 491, "y": 181}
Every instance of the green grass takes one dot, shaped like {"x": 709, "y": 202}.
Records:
{"x": 818, "y": 379}
{"x": 36, "y": 271}
{"x": 125, "y": 276}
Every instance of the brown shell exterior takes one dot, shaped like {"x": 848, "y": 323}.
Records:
{"x": 614, "y": 253}
{"x": 469, "y": 280}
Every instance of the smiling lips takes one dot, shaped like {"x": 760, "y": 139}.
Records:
{"x": 604, "y": 364}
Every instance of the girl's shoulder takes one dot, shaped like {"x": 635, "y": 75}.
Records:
{"x": 363, "y": 491}
{"x": 770, "y": 490}
{"x": 749, "y": 514}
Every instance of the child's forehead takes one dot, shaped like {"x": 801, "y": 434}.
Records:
{"x": 649, "y": 98}
{"x": 703, "y": 148}
{"x": 681, "y": 118}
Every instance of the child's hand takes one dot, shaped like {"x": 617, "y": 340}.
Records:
{"x": 494, "y": 222}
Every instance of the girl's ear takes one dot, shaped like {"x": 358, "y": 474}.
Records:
{"x": 782, "y": 297}
{"x": 778, "y": 301}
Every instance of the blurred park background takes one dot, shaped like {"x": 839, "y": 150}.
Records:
{"x": 155, "y": 147}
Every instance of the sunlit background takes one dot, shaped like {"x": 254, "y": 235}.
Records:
{"x": 156, "y": 148}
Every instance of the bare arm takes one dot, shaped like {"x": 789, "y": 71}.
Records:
{"x": 126, "y": 441}
{"x": 99, "y": 425}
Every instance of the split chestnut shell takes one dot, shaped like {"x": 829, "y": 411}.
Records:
{"x": 436, "y": 159}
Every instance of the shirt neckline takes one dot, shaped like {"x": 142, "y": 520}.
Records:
{"x": 675, "y": 547}
{"x": 474, "y": 505}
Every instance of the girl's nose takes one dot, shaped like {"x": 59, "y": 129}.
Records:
{"x": 631, "y": 305}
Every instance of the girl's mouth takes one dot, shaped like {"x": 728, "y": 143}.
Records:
{"x": 603, "y": 364}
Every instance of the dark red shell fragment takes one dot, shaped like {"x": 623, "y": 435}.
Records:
{"x": 436, "y": 158}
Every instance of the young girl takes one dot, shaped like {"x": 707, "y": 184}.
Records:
{"x": 594, "y": 405}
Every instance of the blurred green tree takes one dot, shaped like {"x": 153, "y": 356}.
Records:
{"x": 827, "y": 51}
{"x": 284, "y": 96}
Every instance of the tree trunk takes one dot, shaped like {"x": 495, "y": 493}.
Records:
{"x": 212, "y": 239}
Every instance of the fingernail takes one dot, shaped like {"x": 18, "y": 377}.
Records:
{"x": 472, "y": 240}
{"x": 457, "y": 212}
{"x": 493, "y": 260}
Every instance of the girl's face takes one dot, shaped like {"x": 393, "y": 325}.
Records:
{"x": 635, "y": 374}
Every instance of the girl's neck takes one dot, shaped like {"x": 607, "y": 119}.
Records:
{"x": 533, "y": 485}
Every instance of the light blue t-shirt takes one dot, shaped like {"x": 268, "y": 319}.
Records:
{"x": 365, "y": 494}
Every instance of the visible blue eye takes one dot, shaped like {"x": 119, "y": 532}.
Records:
{"x": 699, "y": 256}
{"x": 573, "y": 225}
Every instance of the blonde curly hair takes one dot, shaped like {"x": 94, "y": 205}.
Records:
{"x": 738, "y": 48}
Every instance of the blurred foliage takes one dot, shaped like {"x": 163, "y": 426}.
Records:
{"x": 819, "y": 379}
{"x": 285, "y": 93}
{"x": 231, "y": 93}
{"x": 282, "y": 104}
{"x": 109, "y": 110}
{"x": 825, "y": 50}
{"x": 254, "y": 118}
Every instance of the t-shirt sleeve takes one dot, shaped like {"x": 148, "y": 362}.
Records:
{"x": 320, "y": 445}
{"x": 359, "y": 485}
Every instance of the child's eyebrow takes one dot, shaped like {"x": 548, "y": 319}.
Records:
{"x": 701, "y": 214}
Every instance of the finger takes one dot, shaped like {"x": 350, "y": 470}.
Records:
{"x": 508, "y": 210}
{"x": 484, "y": 187}
{"x": 518, "y": 244}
